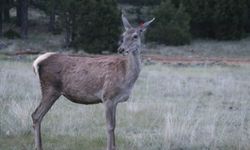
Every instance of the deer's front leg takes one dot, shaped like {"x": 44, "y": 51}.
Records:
{"x": 110, "y": 112}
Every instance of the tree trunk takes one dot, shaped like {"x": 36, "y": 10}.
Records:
{"x": 6, "y": 15}
{"x": 1, "y": 19}
{"x": 52, "y": 17}
{"x": 18, "y": 13}
{"x": 67, "y": 30}
{"x": 73, "y": 28}
{"x": 24, "y": 18}
{"x": 6, "y": 11}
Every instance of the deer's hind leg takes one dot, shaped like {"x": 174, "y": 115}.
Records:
{"x": 49, "y": 96}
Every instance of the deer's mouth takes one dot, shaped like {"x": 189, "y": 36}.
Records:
{"x": 123, "y": 52}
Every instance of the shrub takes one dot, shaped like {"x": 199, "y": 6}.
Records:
{"x": 93, "y": 25}
{"x": 11, "y": 34}
{"x": 219, "y": 19}
{"x": 247, "y": 26}
{"x": 171, "y": 26}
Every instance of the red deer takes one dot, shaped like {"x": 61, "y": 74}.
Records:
{"x": 84, "y": 80}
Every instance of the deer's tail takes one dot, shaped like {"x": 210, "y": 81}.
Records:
{"x": 39, "y": 60}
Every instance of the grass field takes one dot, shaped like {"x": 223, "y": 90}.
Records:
{"x": 172, "y": 107}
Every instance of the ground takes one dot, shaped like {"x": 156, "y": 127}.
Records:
{"x": 188, "y": 97}
{"x": 172, "y": 107}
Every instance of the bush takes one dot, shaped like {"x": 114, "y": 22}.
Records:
{"x": 11, "y": 34}
{"x": 171, "y": 26}
{"x": 247, "y": 26}
{"x": 93, "y": 25}
{"x": 229, "y": 19}
{"x": 218, "y": 19}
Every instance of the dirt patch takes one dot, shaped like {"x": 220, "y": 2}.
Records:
{"x": 195, "y": 60}
{"x": 151, "y": 58}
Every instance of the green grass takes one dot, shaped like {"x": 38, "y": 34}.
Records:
{"x": 191, "y": 107}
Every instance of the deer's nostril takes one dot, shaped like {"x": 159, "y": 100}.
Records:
{"x": 121, "y": 49}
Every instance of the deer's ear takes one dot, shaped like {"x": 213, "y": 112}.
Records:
{"x": 125, "y": 22}
{"x": 143, "y": 27}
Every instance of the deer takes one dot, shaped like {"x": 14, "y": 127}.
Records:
{"x": 90, "y": 80}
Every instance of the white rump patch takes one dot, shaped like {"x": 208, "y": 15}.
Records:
{"x": 40, "y": 59}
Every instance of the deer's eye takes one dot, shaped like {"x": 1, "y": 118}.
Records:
{"x": 135, "y": 36}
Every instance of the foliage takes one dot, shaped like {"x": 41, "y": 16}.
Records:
{"x": 171, "y": 26}
{"x": 91, "y": 24}
{"x": 140, "y": 2}
{"x": 230, "y": 17}
{"x": 11, "y": 34}
{"x": 247, "y": 26}
{"x": 219, "y": 19}
{"x": 94, "y": 24}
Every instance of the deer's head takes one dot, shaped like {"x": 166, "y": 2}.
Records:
{"x": 131, "y": 38}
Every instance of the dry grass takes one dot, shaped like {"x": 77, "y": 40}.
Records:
{"x": 196, "y": 107}
{"x": 172, "y": 107}
{"x": 205, "y": 48}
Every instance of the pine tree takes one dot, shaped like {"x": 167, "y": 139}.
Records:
{"x": 218, "y": 19}
{"x": 6, "y": 10}
{"x": 171, "y": 26}
{"x": 93, "y": 25}
{"x": 24, "y": 18}
{"x": 229, "y": 19}
{"x": 1, "y": 18}
{"x": 51, "y": 11}
{"x": 247, "y": 25}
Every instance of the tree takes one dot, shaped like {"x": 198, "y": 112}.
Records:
{"x": 218, "y": 19}
{"x": 229, "y": 19}
{"x": 247, "y": 25}
{"x": 52, "y": 15}
{"x": 51, "y": 10}
{"x": 23, "y": 8}
{"x": 171, "y": 26}
{"x": 18, "y": 13}
{"x": 22, "y": 17}
{"x": 91, "y": 24}
{"x": 50, "y": 7}
{"x": 67, "y": 8}
{"x": 1, "y": 18}
{"x": 6, "y": 10}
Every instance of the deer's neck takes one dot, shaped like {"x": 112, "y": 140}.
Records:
{"x": 134, "y": 67}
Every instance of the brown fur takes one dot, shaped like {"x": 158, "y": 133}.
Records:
{"x": 87, "y": 80}
{"x": 69, "y": 75}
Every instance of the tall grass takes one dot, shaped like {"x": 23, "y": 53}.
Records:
{"x": 193, "y": 107}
